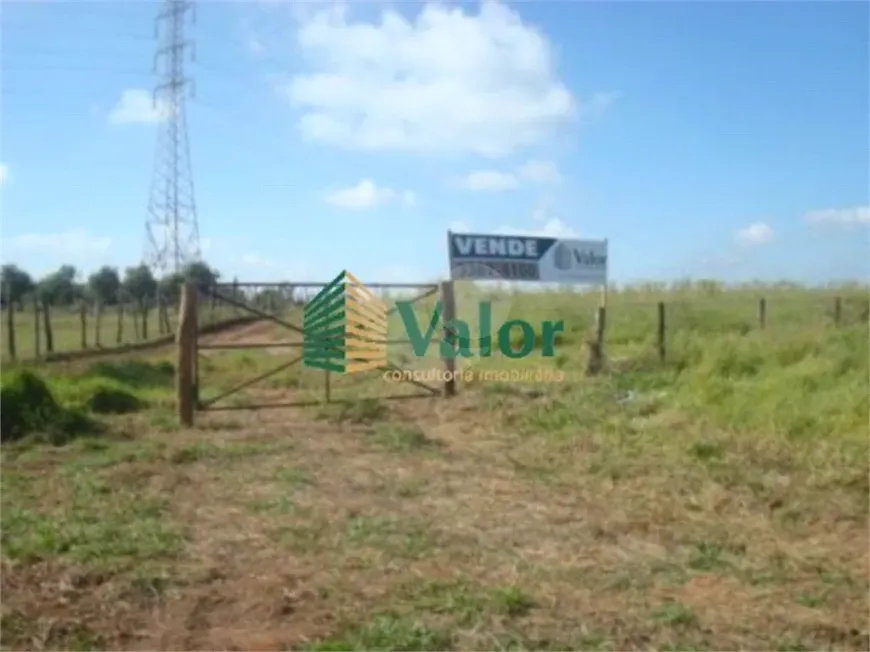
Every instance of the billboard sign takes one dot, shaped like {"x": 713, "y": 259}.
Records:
{"x": 527, "y": 258}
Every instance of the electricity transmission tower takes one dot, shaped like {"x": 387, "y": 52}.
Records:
{"x": 172, "y": 229}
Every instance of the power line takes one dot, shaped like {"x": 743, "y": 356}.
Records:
{"x": 172, "y": 230}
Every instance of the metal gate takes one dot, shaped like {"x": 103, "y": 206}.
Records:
{"x": 241, "y": 298}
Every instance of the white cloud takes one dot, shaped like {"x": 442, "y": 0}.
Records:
{"x": 137, "y": 106}
{"x": 490, "y": 180}
{"x": 552, "y": 228}
{"x": 841, "y": 216}
{"x": 68, "y": 243}
{"x": 367, "y": 194}
{"x": 256, "y": 47}
{"x": 449, "y": 81}
{"x": 540, "y": 172}
{"x": 4, "y": 174}
{"x": 757, "y": 233}
{"x": 542, "y": 212}
{"x": 548, "y": 226}
{"x": 598, "y": 104}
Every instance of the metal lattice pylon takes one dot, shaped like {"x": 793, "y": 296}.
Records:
{"x": 172, "y": 230}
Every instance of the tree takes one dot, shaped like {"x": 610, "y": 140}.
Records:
{"x": 139, "y": 284}
{"x": 104, "y": 285}
{"x": 201, "y": 274}
{"x": 60, "y": 288}
{"x": 16, "y": 283}
{"x": 170, "y": 287}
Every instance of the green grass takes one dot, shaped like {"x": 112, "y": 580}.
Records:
{"x": 128, "y": 528}
{"x": 66, "y": 327}
{"x": 714, "y": 500}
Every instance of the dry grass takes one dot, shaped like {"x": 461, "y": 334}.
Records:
{"x": 648, "y": 508}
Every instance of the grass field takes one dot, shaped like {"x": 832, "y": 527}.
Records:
{"x": 66, "y": 327}
{"x": 715, "y": 501}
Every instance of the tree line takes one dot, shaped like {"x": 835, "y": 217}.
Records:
{"x": 107, "y": 286}
{"x": 136, "y": 286}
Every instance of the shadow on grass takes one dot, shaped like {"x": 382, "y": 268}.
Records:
{"x": 135, "y": 373}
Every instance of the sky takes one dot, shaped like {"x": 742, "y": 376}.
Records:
{"x": 704, "y": 140}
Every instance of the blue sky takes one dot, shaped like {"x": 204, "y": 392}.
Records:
{"x": 723, "y": 140}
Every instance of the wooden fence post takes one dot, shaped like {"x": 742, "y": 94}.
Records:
{"x": 662, "y": 331}
{"x": 449, "y": 302}
{"x": 83, "y": 317}
{"x": 46, "y": 321}
{"x": 163, "y": 325}
{"x": 762, "y": 312}
{"x": 37, "y": 328}
{"x": 145, "y": 320}
{"x": 98, "y": 322}
{"x": 119, "y": 336}
{"x": 10, "y": 327}
{"x": 186, "y": 342}
{"x": 134, "y": 315}
{"x": 600, "y": 326}
{"x": 160, "y": 323}
{"x": 167, "y": 324}
{"x": 838, "y": 310}
{"x": 595, "y": 363}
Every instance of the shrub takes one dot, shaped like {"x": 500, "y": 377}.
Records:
{"x": 135, "y": 373}
{"x": 99, "y": 395}
{"x": 112, "y": 400}
{"x": 28, "y": 406}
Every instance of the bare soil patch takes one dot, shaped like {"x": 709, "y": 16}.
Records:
{"x": 432, "y": 527}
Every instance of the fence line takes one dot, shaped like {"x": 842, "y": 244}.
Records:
{"x": 35, "y": 329}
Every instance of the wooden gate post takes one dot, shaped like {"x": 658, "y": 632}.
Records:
{"x": 194, "y": 339}
{"x": 449, "y": 305}
{"x": 186, "y": 341}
